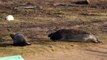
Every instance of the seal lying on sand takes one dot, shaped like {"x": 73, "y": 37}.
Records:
{"x": 73, "y": 36}
{"x": 19, "y": 39}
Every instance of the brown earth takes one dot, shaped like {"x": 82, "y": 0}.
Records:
{"x": 48, "y": 17}
{"x": 97, "y": 52}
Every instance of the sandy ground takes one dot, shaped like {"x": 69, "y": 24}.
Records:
{"x": 98, "y": 52}
{"x": 28, "y": 21}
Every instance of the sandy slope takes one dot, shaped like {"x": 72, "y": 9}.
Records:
{"x": 98, "y": 52}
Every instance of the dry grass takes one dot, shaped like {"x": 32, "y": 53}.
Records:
{"x": 49, "y": 16}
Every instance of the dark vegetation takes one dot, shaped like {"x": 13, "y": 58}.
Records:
{"x": 37, "y": 19}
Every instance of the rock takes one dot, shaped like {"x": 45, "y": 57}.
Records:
{"x": 9, "y": 18}
{"x": 73, "y": 36}
{"x": 19, "y": 39}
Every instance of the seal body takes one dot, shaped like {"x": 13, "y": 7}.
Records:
{"x": 73, "y": 36}
{"x": 19, "y": 40}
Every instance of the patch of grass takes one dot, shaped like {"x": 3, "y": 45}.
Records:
{"x": 27, "y": 19}
{"x": 95, "y": 14}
